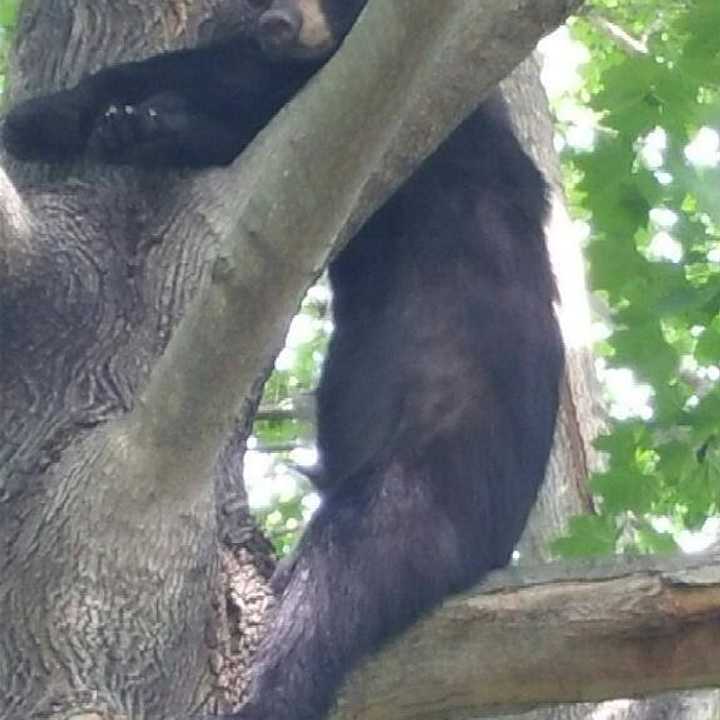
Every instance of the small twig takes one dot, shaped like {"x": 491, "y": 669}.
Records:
{"x": 300, "y": 407}
{"x": 285, "y": 447}
{"x": 620, "y": 37}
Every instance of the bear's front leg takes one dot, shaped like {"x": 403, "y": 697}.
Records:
{"x": 50, "y": 128}
{"x": 164, "y": 130}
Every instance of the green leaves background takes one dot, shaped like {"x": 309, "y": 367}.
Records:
{"x": 663, "y": 309}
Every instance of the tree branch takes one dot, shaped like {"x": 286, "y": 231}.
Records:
{"x": 623, "y": 39}
{"x": 553, "y": 634}
{"x": 346, "y": 143}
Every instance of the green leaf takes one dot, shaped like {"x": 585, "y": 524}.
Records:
{"x": 588, "y": 535}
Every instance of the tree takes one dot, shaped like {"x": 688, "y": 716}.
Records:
{"x": 114, "y": 426}
{"x": 111, "y": 434}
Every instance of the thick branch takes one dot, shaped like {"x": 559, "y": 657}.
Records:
{"x": 549, "y": 635}
{"x": 317, "y": 174}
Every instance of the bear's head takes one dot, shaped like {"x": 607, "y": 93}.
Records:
{"x": 303, "y": 28}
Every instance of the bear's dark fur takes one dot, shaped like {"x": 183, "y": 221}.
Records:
{"x": 189, "y": 108}
{"x": 438, "y": 396}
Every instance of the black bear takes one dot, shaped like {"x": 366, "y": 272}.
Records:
{"x": 194, "y": 107}
{"x": 439, "y": 392}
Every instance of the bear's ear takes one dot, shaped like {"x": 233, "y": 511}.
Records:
{"x": 228, "y": 22}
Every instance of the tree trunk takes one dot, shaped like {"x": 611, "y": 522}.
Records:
{"x": 100, "y": 608}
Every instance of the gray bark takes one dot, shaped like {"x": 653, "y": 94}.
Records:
{"x": 139, "y": 312}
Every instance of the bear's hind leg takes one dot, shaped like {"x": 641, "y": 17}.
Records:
{"x": 377, "y": 554}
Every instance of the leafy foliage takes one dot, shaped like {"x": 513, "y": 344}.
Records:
{"x": 284, "y": 427}
{"x": 650, "y": 190}
{"x": 8, "y": 13}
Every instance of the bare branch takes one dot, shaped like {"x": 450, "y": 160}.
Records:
{"x": 301, "y": 407}
{"x": 549, "y": 635}
{"x": 623, "y": 39}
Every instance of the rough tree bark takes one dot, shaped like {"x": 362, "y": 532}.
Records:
{"x": 120, "y": 399}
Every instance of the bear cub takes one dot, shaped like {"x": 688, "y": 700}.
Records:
{"x": 439, "y": 393}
